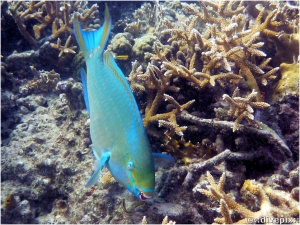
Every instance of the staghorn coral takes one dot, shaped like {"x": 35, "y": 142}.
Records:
{"x": 133, "y": 78}
{"x": 48, "y": 14}
{"x": 135, "y": 28}
{"x": 44, "y": 25}
{"x": 148, "y": 19}
{"x": 230, "y": 41}
{"x": 64, "y": 48}
{"x": 157, "y": 85}
{"x": 160, "y": 79}
{"x": 266, "y": 132}
{"x": 284, "y": 208}
{"x": 231, "y": 51}
{"x": 242, "y": 108}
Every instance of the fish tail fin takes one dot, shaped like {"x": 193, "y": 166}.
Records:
{"x": 92, "y": 40}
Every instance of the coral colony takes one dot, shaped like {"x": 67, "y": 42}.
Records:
{"x": 216, "y": 83}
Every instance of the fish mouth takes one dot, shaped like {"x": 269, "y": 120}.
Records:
{"x": 143, "y": 196}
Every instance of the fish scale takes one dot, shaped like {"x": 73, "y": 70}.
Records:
{"x": 114, "y": 110}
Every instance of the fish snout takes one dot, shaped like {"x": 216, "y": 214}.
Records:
{"x": 144, "y": 196}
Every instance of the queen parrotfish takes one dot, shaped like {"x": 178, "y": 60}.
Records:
{"x": 119, "y": 139}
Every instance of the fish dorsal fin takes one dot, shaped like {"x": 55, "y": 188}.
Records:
{"x": 84, "y": 84}
{"x": 92, "y": 41}
{"x": 111, "y": 64}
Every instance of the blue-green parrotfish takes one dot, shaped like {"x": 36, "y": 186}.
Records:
{"x": 119, "y": 139}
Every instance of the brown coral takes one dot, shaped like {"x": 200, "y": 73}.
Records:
{"x": 242, "y": 108}
{"x": 64, "y": 48}
{"x": 285, "y": 207}
{"x": 231, "y": 42}
{"x": 44, "y": 81}
{"x": 48, "y": 14}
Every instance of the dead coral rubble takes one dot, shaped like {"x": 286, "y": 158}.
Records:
{"x": 43, "y": 81}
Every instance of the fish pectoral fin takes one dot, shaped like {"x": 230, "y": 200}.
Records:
{"x": 84, "y": 85}
{"x": 162, "y": 160}
{"x": 95, "y": 177}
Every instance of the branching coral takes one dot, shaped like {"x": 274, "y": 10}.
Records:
{"x": 148, "y": 19}
{"x": 283, "y": 208}
{"x": 229, "y": 50}
{"x": 266, "y": 132}
{"x": 157, "y": 85}
{"x": 230, "y": 42}
{"x": 45, "y": 24}
{"x": 47, "y": 14}
{"x": 242, "y": 108}
{"x": 206, "y": 51}
{"x": 155, "y": 82}
{"x": 64, "y": 48}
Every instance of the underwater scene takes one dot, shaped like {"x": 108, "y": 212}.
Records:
{"x": 150, "y": 112}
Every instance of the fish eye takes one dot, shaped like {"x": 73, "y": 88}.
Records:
{"x": 130, "y": 165}
{"x": 143, "y": 196}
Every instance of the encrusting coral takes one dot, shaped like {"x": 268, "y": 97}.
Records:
{"x": 43, "y": 81}
{"x": 273, "y": 204}
{"x": 288, "y": 83}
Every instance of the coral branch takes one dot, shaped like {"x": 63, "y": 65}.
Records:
{"x": 265, "y": 132}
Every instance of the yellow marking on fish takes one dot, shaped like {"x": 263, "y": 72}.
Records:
{"x": 121, "y": 57}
